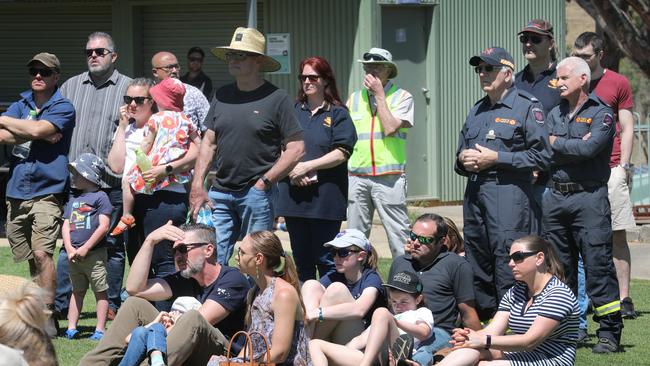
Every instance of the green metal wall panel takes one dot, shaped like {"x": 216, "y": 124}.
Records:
{"x": 466, "y": 27}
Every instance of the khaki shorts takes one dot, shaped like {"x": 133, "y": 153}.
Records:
{"x": 33, "y": 225}
{"x": 619, "y": 200}
{"x": 91, "y": 270}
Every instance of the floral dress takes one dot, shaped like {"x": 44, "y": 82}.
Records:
{"x": 173, "y": 131}
{"x": 262, "y": 320}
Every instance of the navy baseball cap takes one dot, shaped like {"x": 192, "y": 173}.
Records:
{"x": 495, "y": 56}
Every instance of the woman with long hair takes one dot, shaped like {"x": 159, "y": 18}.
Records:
{"x": 313, "y": 198}
{"x": 540, "y": 309}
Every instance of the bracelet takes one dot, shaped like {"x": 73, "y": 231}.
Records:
{"x": 320, "y": 315}
{"x": 488, "y": 341}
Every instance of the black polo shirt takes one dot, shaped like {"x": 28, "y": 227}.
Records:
{"x": 544, "y": 88}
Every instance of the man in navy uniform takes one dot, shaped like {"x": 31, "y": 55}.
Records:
{"x": 502, "y": 142}
{"x": 576, "y": 216}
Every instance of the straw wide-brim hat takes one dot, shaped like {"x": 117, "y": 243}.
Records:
{"x": 252, "y": 41}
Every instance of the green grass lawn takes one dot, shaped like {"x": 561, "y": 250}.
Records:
{"x": 636, "y": 336}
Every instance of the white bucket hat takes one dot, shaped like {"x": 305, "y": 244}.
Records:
{"x": 380, "y": 56}
{"x": 252, "y": 41}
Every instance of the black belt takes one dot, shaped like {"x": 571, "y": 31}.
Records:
{"x": 570, "y": 187}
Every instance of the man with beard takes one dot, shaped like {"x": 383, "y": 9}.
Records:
{"x": 198, "y": 334}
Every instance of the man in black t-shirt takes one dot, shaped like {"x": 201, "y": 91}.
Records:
{"x": 248, "y": 124}
{"x": 198, "y": 334}
{"x": 447, "y": 278}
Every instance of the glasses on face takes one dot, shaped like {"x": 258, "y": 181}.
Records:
{"x": 194, "y": 59}
{"x": 311, "y": 78}
{"x": 424, "y": 240}
{"x": 584, "y": 56}
{"x": 525, "y": 38}
{"x": 373, "y": 57}
{"x": 519, "y": 256}
{"x": 100, "y": 52}
{"x": 237, "y": 56}
{"x": 184, "y": 248}
{"x": 169, "y": 68}
{"x": 486, "y": 69}
{"x": 33, "y": 71}
{"x": 342, "y": 252}
{"x": 137, "y": 100}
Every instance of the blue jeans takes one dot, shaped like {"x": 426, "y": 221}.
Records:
{"x": 583, "y": 299}
{"x": 143, "y": 341}
{"x": 307, "y": 238}
{"x": 440, "y": 340}
{"x": 236, "y": 214}
{"x": 114, "y": 263}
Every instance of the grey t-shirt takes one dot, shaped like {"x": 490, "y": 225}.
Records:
{"x": 250, "y": 128}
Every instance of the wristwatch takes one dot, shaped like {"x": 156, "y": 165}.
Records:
{"x": 267, "y": 182}
{"x": 625, "y": 166}
{"x": 169, "y": 169}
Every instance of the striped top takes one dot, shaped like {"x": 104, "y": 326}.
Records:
{"x": 556, "y": 301}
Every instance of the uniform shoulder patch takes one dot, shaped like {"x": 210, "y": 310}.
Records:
{"x": 538, "y": 115}
{"x": 608, "y": 119}
{"x": 552, "y": 83}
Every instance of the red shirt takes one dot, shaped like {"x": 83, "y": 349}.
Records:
{"x": 614, "y": 89}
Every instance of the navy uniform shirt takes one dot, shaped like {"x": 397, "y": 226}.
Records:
{"x": 574, "y": 158}
{"x": 514, "y": 127}
{"x": 544, "y": 88}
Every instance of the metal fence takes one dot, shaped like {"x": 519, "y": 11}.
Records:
{"x": 641, "y": 179}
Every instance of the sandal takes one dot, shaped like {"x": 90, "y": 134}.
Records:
{"x": 71, "y": 333}
{"x": 126, "y": 222}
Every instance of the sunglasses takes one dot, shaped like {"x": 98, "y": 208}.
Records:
{"x": 137, "y": 100}
{"x": 424, "y": 240}
{"x": 486, "y": 69}
{"x": 184, "y": 248}
{"x": 237, "y": 56}
{"x": 525, "y": 38}
{"x": 100, "y": 52}
{"x": 194, "y": 59}
{"x": 519, "y": 256}
{"x": 373, "y": 57}
{"x": 342, "y": 252}
{"x": 169, "y": 68}
{"x": 311, "y": 78}
{"x": 43, "y": 72}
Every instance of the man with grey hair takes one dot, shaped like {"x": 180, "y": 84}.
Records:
{"x": 502, "y": 142}
{"x": 576, "y": 215}
{"x": 97, "y": 95}
{"x": 198, "y": 334}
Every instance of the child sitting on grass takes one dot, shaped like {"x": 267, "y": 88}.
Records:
{"x": 151, "y": 340}
{"x": 167, "y": 138}
{"x": 410, "y": 324}
{"x": 86, "y": 222}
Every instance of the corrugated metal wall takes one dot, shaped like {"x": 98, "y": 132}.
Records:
{"x": 466, "y": 27}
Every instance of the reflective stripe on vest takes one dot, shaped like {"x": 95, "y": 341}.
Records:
{"x": 375, "y": 153}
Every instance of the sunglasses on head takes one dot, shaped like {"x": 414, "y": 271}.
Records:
{"x": 312, "y": 78}
{"x": 486, "y": 69}
{"x": 525, "y": 38}
{"x": 33, "y": 71}
{"x": 342, "y": 252}
{"x": 137, "y": 100}
{"x": 184, "y": 248}
{"x": 424, "y": 240}
{"x": 519, "y": 256}
{"x": 373, "y": 57}
{"x": 237, "y": 56}
{"x": 100, "y": 52}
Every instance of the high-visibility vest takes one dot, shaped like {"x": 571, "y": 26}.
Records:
{"x": 374, "y": 152}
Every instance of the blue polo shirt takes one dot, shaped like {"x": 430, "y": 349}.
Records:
{"x": 45, "y": 170}
{"x": 330, "y": 128}
{"x": 544, "y": 88}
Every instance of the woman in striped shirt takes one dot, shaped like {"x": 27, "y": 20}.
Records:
{"x": 540, "y": 309}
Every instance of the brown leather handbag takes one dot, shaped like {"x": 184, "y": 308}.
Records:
{"x": 248, "y": 346}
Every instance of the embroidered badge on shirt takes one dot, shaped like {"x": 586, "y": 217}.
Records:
{"x": 583, "y": 120}
{"x": 552, "y": 84}
{"x": 538, "y": 115}
{"x": 508, "y": 121}
{"x": 608, "y": 120}
{"x": 327, "y": 122}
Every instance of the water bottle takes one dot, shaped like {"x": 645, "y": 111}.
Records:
{"x": 141, "y": 159}
{"x": 205, "y": 215}
{"x": 21, "y": 151}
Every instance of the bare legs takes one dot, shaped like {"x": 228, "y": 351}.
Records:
{"x": 622, "y": 262}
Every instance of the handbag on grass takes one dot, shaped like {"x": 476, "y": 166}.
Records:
{"x": 248, "y": 345}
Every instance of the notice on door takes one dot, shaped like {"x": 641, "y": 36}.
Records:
{"x": 278, "y": 46}
{"x": 400, "y": 35}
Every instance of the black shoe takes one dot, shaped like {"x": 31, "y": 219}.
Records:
{"x": 605, "y": 346}
{"x": 583, "y": 337}
{"x": 627, "y": 309}
{"x": 402, "y": 348}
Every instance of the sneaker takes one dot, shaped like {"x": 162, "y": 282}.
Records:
{"x": 605, "y": 345}
{"x": 71, "y": 334}
{"x": 627, "y": 309}
{"x": 583, "y": 337}
{"x": 402, "y": 348}
{"x": 97, "y": 335}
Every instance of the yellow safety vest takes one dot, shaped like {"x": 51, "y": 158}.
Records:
{"x": 375, "y": 153}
